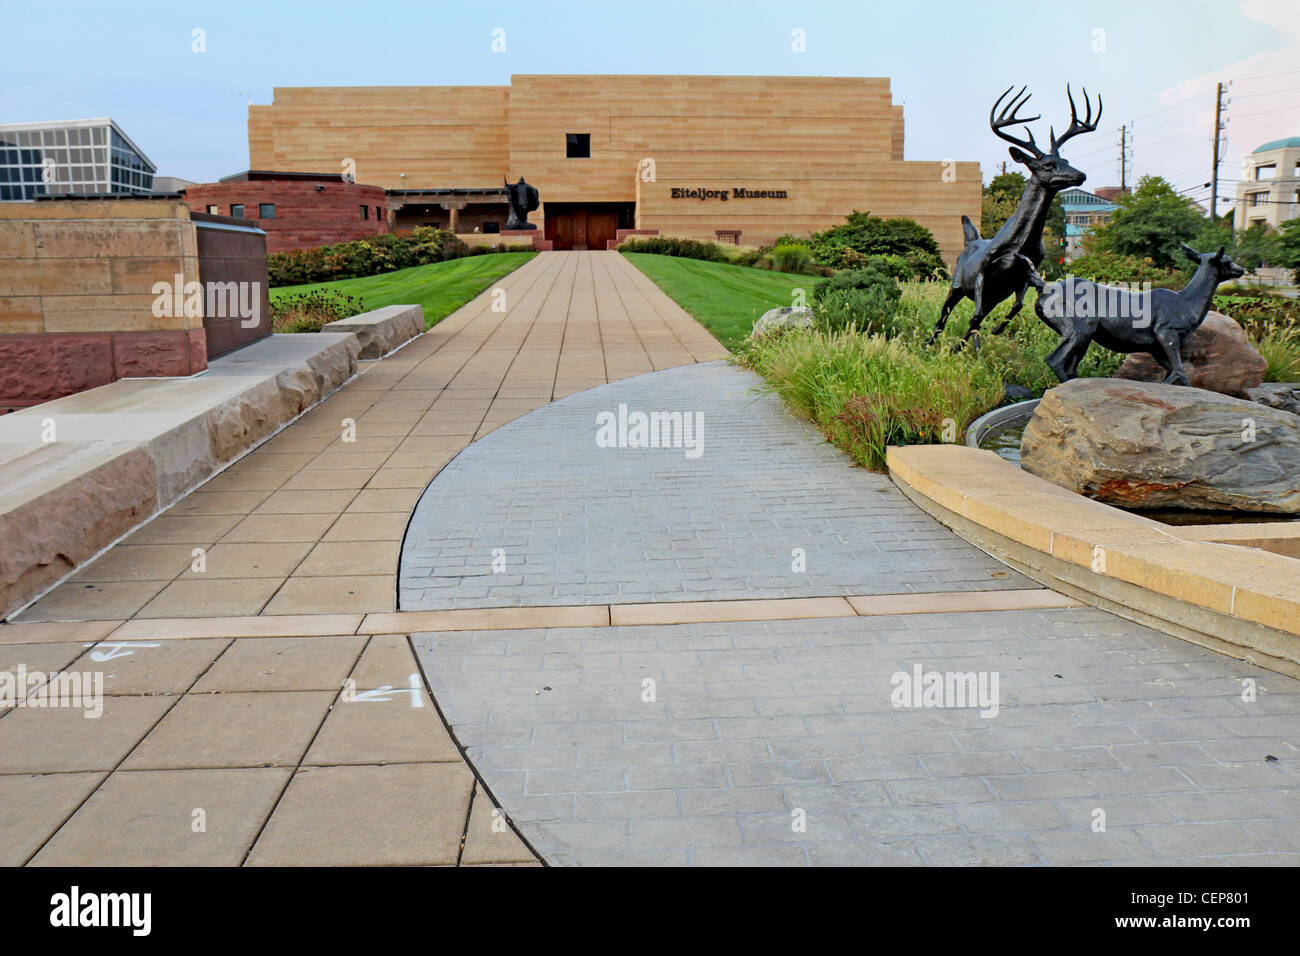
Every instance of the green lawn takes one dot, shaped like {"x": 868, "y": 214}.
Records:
{"x": 725, "y": 299}
{"x": 440, "y": 287}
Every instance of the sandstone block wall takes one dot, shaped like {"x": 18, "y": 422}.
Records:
{"x": 76, "y": 299}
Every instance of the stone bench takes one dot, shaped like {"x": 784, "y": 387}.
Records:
{"x": 381, "y": 331}
{"x": 123, "y": 452}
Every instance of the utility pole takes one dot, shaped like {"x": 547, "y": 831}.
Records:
{"x": 1123, "y": 159}
{"x": 1214, "y": 173}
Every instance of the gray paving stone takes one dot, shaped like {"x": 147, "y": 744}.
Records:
{"x": 710, "y": 772}
{"x": 581, "y": 524}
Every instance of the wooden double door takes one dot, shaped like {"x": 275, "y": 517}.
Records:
{"x": 578, "y": 226}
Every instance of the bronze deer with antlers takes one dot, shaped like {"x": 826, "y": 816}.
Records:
{"x": 990, "y": 270}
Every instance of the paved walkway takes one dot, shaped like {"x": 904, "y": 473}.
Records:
{"x": 275, "y": 708}
{"x": 311, "y": 522}
{"x": 539, "y": 513}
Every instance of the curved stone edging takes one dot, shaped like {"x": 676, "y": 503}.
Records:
{"x": 998, "y": 417}
{"x": 1240, "y": 601}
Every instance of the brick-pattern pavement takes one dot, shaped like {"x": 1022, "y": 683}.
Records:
{"x": 310, "y": 522}
{"x": 538, "y": 514}
{"x": 751, "y": 722}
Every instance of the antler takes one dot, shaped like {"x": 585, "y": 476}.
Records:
{"x": 1076, "y": 127}
{"x": 1008, "y": 118}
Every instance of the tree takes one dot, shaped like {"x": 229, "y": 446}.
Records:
{"x": 1286, "y": 248}
{"x": 1254, "y": 247}
{"x": 1150, "y": 223}
{"x": 1002, "y": 196}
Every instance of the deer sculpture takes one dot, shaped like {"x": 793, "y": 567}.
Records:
{"x": 990, "y": 270}
{"x": 1158, "y": 322}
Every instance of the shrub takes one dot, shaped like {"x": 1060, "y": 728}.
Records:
{"x": 675, "y": 246}
{"x": 1257, "y": 312}
{"x": 309, "y": 311}
{"x": 872, "y": 236}
{"x": 363, "y": 257}
{"x": 1280, "y": 347}
{"x": 865, "y": 299}
{"x": 1115, "y": 267}
{"x": 791, "y": 257}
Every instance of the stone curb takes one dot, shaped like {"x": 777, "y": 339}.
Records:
{"x": 1242, "y": 601}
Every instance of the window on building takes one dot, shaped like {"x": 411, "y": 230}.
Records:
{"x": 1266, "y": 172}
{"x": 365, "y": 212}
{"x": 237, "y": 210}
{"x": 379, "y": 214}
{"x": 214, "y": 210}
{"x": 266, "y": 210}
{"x": 1257, "y": 199}
{"x": 577, "y": 145}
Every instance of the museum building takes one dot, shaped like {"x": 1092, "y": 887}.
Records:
{"x": 737, "y": 159}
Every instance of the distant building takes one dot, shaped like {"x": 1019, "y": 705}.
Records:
{"x": 166, "y": 185}
{"x": 71, "y": 158}
{"x": 1083, "y": 211}
{"x": 1269, "y": 191}
{"x": 296, "y": 210}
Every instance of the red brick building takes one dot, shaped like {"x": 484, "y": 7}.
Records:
{"x": 296, "y": 210}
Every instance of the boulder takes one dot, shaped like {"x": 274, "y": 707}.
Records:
{"x": 789, "y": 317}
{"x": 1217, "y": 357}
{"x": 1142, "y": 445}
{"x": 1282, "y": 395}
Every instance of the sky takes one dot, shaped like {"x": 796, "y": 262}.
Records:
{"x": 1155, "y": 63}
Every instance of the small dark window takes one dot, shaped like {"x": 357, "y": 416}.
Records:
{"x": 266, "y": 210}
{"x": 577, "y": 145}
{"x": 365, "y": 212}
{"x": 379, "y": 214}
{"x": 491, "y": 227}
{"x": 237, "y": 210}
{"x": 213, "y": 210}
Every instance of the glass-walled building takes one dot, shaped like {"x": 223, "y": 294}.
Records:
{"x": 75, "y": 157}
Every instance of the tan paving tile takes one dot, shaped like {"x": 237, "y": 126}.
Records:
{"x": 400, "y": 478}
{"x": 33, "y": 807}
{"x": 690, "y": 612}
{"x": 392, "y": 721}
{"x": 490, "y": 838}
{"x": 350, "y": 459}
{"x": 949, "y": 601}
{"x": 290, "y": 442}
{"x": 288, "y": 625}
{"x": 232, "y": 730}
{"x": 401, "y": 814}
{"x": 244, "y": 560}
{"x": 37, "y": 657}
{"x": 78, "y": 601}
{"x": 298, "y": 502}
{"x": 149, "y": 667}
{"x": 149, "y": 818}
{"x": 232, "y": 480}
{"x": 493, "y": 618}
{"x": 387, "y": 526}
{"x": 210, "y": 597}
{"x": 325, "y": 479}
{"x": 341, "y": 558}
{"x": 262, "y": 460}
{"x": 418, "y": 459}
{"x": 63, "y": 739}
{"x": 56, "y": 632}
{"x": 282, "y": 663}
{"x": 197, "y": 531}
{"x": 145, "y": 562}
{"x": 371, "y": 500}
{"x": 387, "y": 659}
{"x": 331, "y": 595}
{"x": 262, "y": 528}
{"x": 204, "y": 502}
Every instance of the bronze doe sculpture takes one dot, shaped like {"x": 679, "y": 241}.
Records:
{"x": 990, "y": 270}
{"x": 1158, "y": 322}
